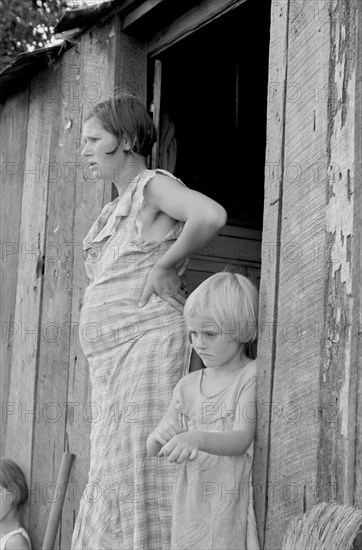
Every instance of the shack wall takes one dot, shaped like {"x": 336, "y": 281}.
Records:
{"x": 309, "y": 382}
{"x": 309, "y": 388}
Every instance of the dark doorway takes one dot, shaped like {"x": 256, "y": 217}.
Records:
{"x": 213, "y": 104}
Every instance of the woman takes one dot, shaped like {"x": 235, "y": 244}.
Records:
{"x": 131, "y": 328}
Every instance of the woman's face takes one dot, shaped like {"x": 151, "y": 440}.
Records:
{"x": 99, "y": 142}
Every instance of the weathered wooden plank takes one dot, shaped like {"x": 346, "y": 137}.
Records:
{"x": 139, "y": 12}
{"x": 13, "y": 122}
{"x": 225, "y": 246}
{"x": 234, "y": 248}
{"x": 243, "y": 232}
{"x": 24, "y": 367}
{"x": 54, "y": 344}
{"x": 356, "y": 355}
{"x": 269, "y": 282}
{"x": 196, "y": 18}
{"x": 199, "y": 272}
{"x": 293, "y": 485}
{"x": 156, "y": 105}
{"x": 340, "y": 374}
{"x": 130, "y": 63}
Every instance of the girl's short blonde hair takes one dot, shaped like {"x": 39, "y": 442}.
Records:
{"x": 12, "y": 478}
{"x": 231, "y": 301}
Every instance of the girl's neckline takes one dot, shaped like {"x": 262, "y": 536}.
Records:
{"x": 237, "y": 376}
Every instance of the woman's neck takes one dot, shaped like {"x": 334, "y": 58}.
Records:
{"x": 125, "y": 175}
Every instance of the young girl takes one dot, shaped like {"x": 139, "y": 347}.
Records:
{"x": 209, "y": 426}
{"x": 131, "y": 328}
{"x": 14, "y": 492}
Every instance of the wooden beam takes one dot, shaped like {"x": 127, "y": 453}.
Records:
{"x": 193, "y": 20}
{"x": 357, "y": 269}
{"x": 129, "y": 59}
{"x": 270, "y": 260}
{"x": 315, "y": 379}
{"x": 340, "y": 377}
{"x": 13, "y": 125}
{"x": 139, "y": 12}
{"x": 157, "y": 82}
{"x": 29, "y": 290}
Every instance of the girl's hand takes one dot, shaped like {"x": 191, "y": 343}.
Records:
{"x": 166, "y": 431}
{"x": 166, "y": 283}
{"x": 181, "y": 447}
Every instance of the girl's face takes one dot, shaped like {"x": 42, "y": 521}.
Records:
{"x": 99, "y": 142}
{"x": 215, "y": 345}
{"x": 6, "y": 502}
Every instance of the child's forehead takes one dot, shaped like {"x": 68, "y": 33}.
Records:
{"x": 201, "y": 322}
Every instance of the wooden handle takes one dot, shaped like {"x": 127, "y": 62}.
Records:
{"x": 57, "y": 504}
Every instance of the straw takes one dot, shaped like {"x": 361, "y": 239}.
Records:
{"x": 324, "y": 527}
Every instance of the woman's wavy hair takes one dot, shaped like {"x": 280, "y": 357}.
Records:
{"x": 126, "y": 116}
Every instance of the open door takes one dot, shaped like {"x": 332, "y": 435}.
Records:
{"x": 208, "y": 94}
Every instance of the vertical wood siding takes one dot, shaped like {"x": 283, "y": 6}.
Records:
{"x": 309, "y": 380}
{"x": 309, "y": 387}
{"x": 13, "y": 124}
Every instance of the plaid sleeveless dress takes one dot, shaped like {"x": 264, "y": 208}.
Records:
{"x": 136, "y": 357}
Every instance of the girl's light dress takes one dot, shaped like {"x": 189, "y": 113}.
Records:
{"x": 136, "y": 356}
{"x": 213, "y": 496}
{"x": 5, "y": 538}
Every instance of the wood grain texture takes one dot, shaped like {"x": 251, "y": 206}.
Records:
{"x": 29, "y": 291}
{"x": 235, "y": 248}
{"x": 130, "y": 63}
{"x": 13, "y": 123}
{"x": 139, "y": 12}
{"x": 314, "y": 381}
{"x": 269, "y": 282}
{"x": 197, "y": 17}
{"x": 356, "y": 354}
{"x": 357, "y": 265}
{"x": 53, "y": 345}
{"x": 295, "y": 427}
{"x": 340, "y": 376}
{"x": 157, "y": 98}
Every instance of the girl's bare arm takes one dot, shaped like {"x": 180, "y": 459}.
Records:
{"x": 166, "y": 430}
{"x": 234, "y": 442}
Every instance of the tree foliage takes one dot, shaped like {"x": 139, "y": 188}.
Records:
{"x": 26, "y": 25}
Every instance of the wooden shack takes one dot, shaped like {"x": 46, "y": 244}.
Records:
{"x": 258, "y": 104}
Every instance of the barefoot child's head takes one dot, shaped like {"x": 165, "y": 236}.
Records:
{"x": 222, "y": 317}
{"x": 13, "y": 493}
{"x": 13, "y": 486}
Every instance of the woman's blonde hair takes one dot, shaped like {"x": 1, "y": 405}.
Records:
{"x": 229, "y": 299}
